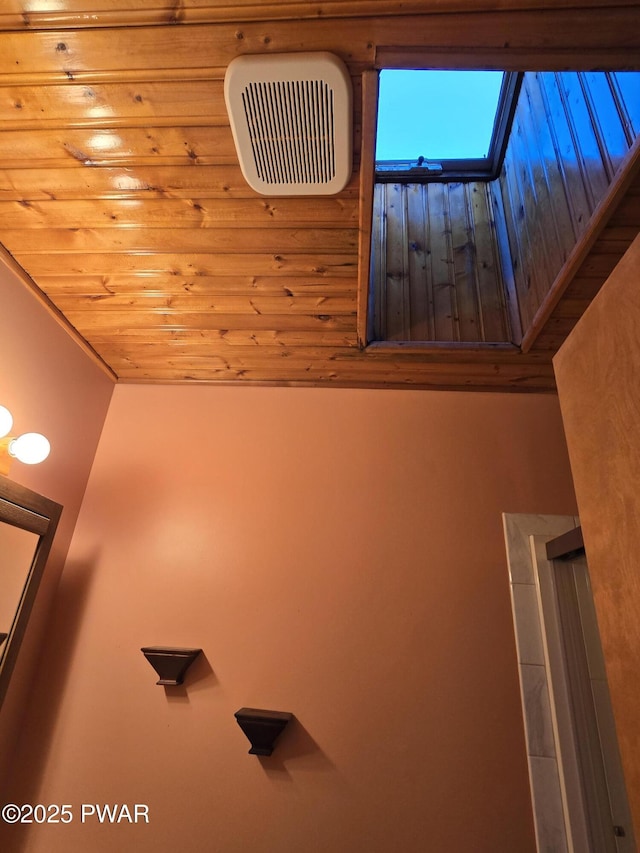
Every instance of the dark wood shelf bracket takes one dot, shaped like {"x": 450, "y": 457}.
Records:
{"x": 262, "y": 728}
{"x": 171, "y": 664}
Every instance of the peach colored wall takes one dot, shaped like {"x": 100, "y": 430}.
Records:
{"x": 599, "y": 382}
{"x": 337, "y": 554}
{"x": 50, "y": 386}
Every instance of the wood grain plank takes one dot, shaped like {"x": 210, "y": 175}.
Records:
{"x": 440, "y": 262}
{"x": 571, "y": 308}
{"x": 626, "y": 85}
{"x": 70, "y": 102}
{"x": 606, "y": 113}
{"x": 314, "y": 343}
{"x": 183, "y": 47}
{"x": 183, "y": 213}
{"x": 396, "y": 283}
{"x": 590, "y": 153}
{"x": 589, "y": 256}
{"x": 378, "y": 273}
{"x": 86, "y": 181}
{"x": 421, "y": 324}
{"x": 178, "y": 241}
{"x": 61, "y": 146}
{"x": 566, "y": 146}
{"x": 490, "y": 287}
{"x": 466, "y": 312}
{"x": 254, "y": 358}
{"x": 198, "y": 264}
{"x": 429, "y": 282}
{"x": 534, "y": 124}
{"x": 627, "y": 212}
{"x": 80, "y": 13}
{"x": 516, "y": 206}
{"x": 204, "y": 285}
{"x": 90, "y": 321}
{"x": 260, "y": 305}
{"x": 526, "y": 378}
{"x": 550, "y": 163}
{"x": 512, "y": 308}
{"x": 535, "y": 224}
{"x": 366, "y": 202}
{"x": 163, "y": 339}
{"x": 583, "y": 287}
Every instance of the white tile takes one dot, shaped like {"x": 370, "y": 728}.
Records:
{"x": 518, "y": 553}
{"x": 526, "y": 617}
{"x": 547, "y": 805}
{"x": 538, "y": 724}
{"x": 517, "y": 529}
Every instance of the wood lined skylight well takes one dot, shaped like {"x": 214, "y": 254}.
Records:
{"x": 464, "y": 258}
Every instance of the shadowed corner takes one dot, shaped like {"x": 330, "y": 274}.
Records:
{"x": 199, "y": 676}
{"x": 295, "y": 750}
{"x": 49, "y": 680}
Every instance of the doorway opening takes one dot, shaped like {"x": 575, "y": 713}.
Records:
{"x": 577, "y": 785}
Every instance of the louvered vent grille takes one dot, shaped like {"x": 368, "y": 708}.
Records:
{"x": 291, "y": 126}
{"x": 291, "y": 122}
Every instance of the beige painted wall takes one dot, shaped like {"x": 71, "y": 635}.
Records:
{"x": 337, "y": 554}
{"x": 50, "y": 386}
{"x": 598, "y": 374}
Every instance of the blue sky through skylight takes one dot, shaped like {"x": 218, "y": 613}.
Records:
{"x": 439, "y": 115}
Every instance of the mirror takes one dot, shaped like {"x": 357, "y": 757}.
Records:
{"x": 17, "y": 550}
{"x": 28, "y": 523}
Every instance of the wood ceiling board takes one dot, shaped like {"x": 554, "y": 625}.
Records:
{"x": 180, "y": 213}
{"x": 121, "y": 196}
{"x": 295, "y": 264}
{"x": 168, "y": 244}
{"x": 213, "y": 285}
{"x": 16, "y": 15}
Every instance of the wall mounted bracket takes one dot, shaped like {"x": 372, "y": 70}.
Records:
{"x": 171, "y": 664}
{"x": 262, "y": 728}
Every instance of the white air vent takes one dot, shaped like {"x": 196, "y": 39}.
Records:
{"x": 291, "y": 121}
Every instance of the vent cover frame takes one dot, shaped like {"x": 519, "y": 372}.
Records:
{"x": 291, "y": 120}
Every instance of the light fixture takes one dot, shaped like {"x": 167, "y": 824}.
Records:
{"x": 29, "y": 448}
{"x": 6, "y": 421}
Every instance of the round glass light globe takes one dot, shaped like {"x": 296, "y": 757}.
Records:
{"x": 30, "y": 448}
{"x": 6, "y": 421}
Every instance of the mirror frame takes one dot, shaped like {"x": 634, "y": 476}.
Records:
{"x": 23, "y": 508}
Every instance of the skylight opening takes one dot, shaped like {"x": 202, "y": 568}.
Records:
{"x": 443, "y": 123}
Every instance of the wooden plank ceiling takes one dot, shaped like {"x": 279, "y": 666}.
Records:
{"x": 122, "y": 200}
